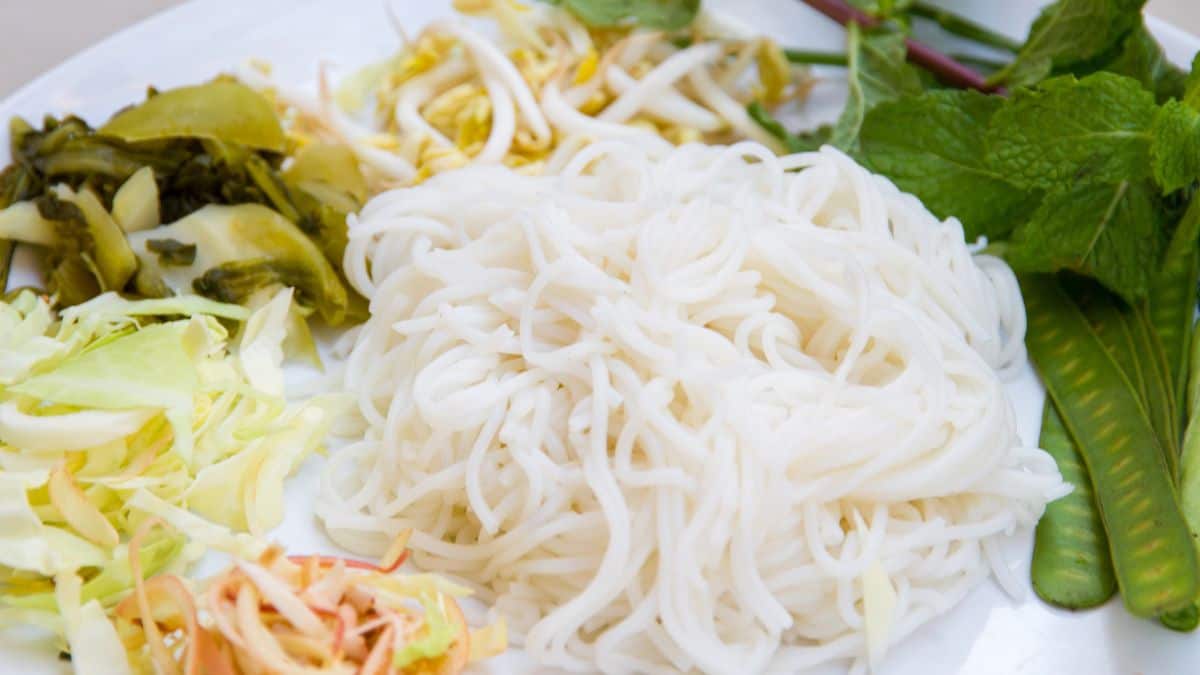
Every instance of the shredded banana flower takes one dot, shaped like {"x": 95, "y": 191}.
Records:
{"x": 453, "y": 96}
{"x": 299, "y": 614}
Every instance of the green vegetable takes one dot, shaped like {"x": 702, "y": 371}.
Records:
{"x": 87, "y": 411}
{"x": 90, "y": 254}
{"x": 1184, "y": 620}
{"x": 1189, "y": 487}
{"x": 1141, "y": 58}
{"x": 1069, "y": 32}
{"x": 229, "y": 241}
{"x": 135, "y": 204}
{"x": 156, "y": 163}
{"x": 439, "y": 633}
{"x": 114, "y": 376}
{"x": 877, "y": 73}
{"x": 815, "y": 58}
{"x": 792, "y": 142}
{"x": 1176, "y": 146}
{"x": 1071, "y": 564}
{"x": 110, "y": 252}
{"x": 1171, "y": 303}
{"x": 23, "y": 222}
{"x": 6, "y": 253}
{"x": 223, "y": 110}
{"x": 1039, "y": 139}
{"x": 933, "y": 146}
{"x": 1160, "y": 402}
{"x": 1151, "y": 546}
{"x": 1110, "y": 232}
{"x": 1130, "y": 341}
{"x": 661, "y": 14}
{"x": 964, "y": 28}
{"x": 171, "y": 252}
{"x": 1191, "y": 89}
{"x": 330, "y": 173}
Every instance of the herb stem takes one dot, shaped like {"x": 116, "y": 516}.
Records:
{"x": 964, "y": 28}
{"x": 946, "y": 69}
{"x": 816, "y": 58}
{"x": 980, "y": 63}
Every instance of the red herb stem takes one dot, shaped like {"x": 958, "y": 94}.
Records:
{"x": 946, "y": 69}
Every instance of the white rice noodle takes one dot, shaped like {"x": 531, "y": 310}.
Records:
{"x": 675, "y": 411}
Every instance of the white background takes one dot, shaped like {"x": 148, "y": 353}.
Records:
{"x": 35, "y": 35}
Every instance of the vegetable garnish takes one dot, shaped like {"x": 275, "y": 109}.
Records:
{"x": 308, "y": 614}
{"x": 1082, "y": 176}
{"x": 116, "y": 411}
{"x": 93, "y": 201}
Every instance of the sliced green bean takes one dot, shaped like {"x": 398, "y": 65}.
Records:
{"x": 1071, "y": 564}
{"x": 1149, "y": 541}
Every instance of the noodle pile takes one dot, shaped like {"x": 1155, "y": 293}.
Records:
{"x": 713, "y": 410}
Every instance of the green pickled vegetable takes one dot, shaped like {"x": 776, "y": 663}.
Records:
{"x": 1071, "y": 564}
{"x": 111, "y": 253}
{"x": 135, "y": 204}
{"x": 23, "y": 222}
{"x": 171, "y": 252}
{"x": 162, "y": 162}
{"x": 239, "y": 249}
{"x": 6, "y": 252}
{"x": 223, "y": 110}
{"x": 330, "y": 173}
{"x": 1152, "y": 551}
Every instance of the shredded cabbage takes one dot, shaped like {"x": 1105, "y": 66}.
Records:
{"x": 95, "y": 647}
{"x": 117, "y": 412}
{"x": 440, "y": 633}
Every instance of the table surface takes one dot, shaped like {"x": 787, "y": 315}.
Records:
{"x": 41, "y": 34}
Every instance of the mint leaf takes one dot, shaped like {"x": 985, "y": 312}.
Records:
{"x": 878, "y": 72}
{"x": 1141, "y": 57}
{"x": 1191, "y": 89}
{"x": 933, "y": 146}
{"x": 1070, "y": 31}
{"x": 660, "y": 14}
{"x": 1112, "y": 233}
{"x": 1068, "y": 131}
{"x": 1176, "y": 146}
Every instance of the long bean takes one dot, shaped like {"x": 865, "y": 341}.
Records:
{"x": 1151, "y": 547}
{"x": 1071, "y": 564}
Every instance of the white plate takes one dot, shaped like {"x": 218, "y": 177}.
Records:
{"x": 988, "y": 633}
